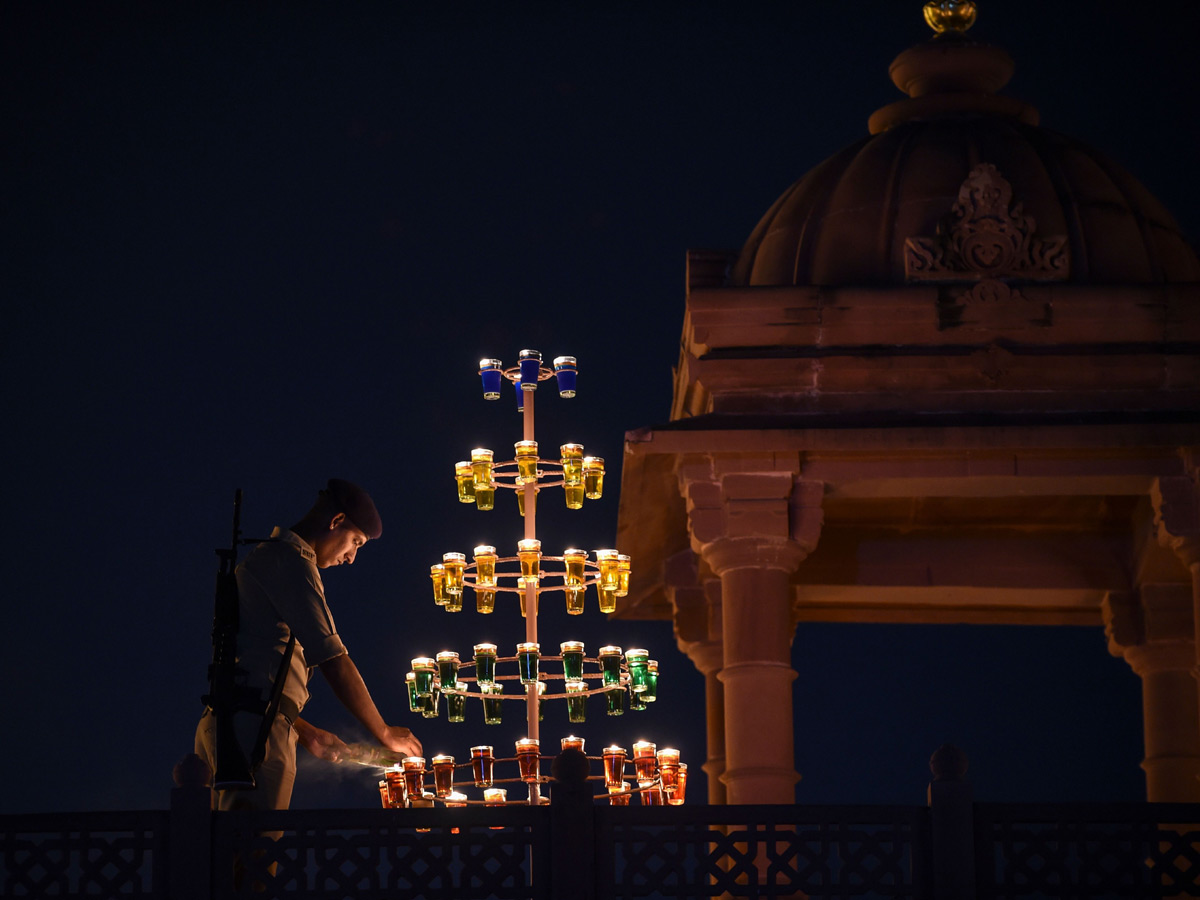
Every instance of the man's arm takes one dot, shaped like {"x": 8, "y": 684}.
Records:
{"x": 320, "y": 743}
{"x": 348, "y": 686}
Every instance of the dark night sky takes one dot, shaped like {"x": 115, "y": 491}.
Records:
{"x": 257, "y": 245}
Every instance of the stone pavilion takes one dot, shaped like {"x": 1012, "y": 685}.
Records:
{"x": 952, "y": 377}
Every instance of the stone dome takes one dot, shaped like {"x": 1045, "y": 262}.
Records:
{"x": 895, "y": 207}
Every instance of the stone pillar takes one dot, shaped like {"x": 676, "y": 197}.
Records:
{"x": 572, "y": 850}
{"x": 697, "y": 618}
{"x": 708, "y": 659}
{"x": 951, "y": 825}
{"x": 1176, "y": 502}
{"x": 1153, "y": 631}
{"x": 753, "y": 529}
{"x": 189, "y": 875}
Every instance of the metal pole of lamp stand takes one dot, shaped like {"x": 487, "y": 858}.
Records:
{"x": 531, "y": 597}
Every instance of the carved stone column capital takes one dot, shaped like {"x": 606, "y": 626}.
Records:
{"x": 696, "y": 609}
{"x": 681, "y": 571}
{"x": 771, "y": 507}
{"x": 1162, "y": 656}
{"x": 753, "y": 553}
{"x": 1176, "y": 500}
{"x": 688, "y": 601}
{"x": 1122, "y": 621}
{"x": 708, "y": 657}
{"x": 698, "y": 627}
{"x": 1153, "y": 630}
{"x": 690, "y": 615}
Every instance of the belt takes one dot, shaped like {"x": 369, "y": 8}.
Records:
{"x": 287, "y": 708}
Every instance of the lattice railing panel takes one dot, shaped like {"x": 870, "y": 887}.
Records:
{"x": 1142, "y": 851}
{"x": 368, "y": 854}
{"x": 100, "y": 854}
{"x": 765, "y": 851}
{"x": 1090, "y": 851}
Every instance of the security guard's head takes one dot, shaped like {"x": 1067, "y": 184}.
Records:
{"x": 340, "y": 522}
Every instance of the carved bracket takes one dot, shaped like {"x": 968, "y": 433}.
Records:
{"x": 1176, "y": 502}
{"x": 759, "y": 507}
{"x": 1155, "y": 614}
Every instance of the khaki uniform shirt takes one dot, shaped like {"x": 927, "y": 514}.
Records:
{"x": 280, "y": 593}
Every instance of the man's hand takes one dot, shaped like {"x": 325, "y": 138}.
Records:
{"x": 400, "y": 740}
{"x": 320, "y": 743}
{"x": 343, "y": 676}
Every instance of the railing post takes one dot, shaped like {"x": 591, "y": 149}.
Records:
{"x": 189, "y": 854}
{"x": 572, "y": 829}
{"x": 952, "y": 825}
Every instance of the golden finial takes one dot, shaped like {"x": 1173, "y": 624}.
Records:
{"x": 950, "y": 15}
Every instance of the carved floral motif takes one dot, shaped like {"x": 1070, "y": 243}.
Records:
{"x": 990, "y": 291}
{"x": 986, "y": 236}
{"x": 991, "y": 305}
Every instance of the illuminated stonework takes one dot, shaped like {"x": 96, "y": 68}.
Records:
{"x": 988, "y": 236}
{"x": 991, "y": 304}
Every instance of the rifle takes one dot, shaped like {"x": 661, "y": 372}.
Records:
{"x": 228, "y": 692}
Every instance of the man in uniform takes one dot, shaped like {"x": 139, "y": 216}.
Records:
{"x": 280, "y": 595}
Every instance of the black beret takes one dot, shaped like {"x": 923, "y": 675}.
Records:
{"x": 357, "y": 505}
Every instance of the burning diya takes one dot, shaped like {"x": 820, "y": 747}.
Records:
{"x": 532, "y": 674}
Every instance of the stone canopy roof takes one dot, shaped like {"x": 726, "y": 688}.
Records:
{"x": 963, "y": 327}
{"x": 958, "y": 164}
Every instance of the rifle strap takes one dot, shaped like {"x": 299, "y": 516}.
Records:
{"x": 264, "y": 730}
